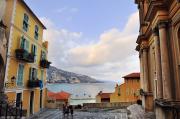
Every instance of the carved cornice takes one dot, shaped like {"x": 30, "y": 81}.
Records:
{"x": 138, "y": 1}
{"x": 137, "y": 48}
{"x": 154, "y": 6}
{"x": 144, "y": 45}
{"x": 162, "y": 24}
{"x": 140, "y": 38}
{"x": 155, "y": 31}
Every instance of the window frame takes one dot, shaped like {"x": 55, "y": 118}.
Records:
{"x": 25, "y": 22}
{"x": 36, "y": 32}
{"x": 18, "y": 76}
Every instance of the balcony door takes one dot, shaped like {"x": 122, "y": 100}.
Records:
{"x": 20, "y": 75}
{"x": 31, "y": 106}
{"x": 40, "y": 99}
{"x": 18, "y": 99}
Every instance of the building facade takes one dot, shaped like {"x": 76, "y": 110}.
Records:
{"x": 25, "y": 75}
{"x": 159, "y": 53}
{"x": 103, "y": 97}
{"x": 129, "y": 90}
{"x": 3, "y": 49}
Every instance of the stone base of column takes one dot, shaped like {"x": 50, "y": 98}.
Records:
{"x": 169, "y": 109}
{"x": 159, "y": 113}
{"x": 149, "y": 105}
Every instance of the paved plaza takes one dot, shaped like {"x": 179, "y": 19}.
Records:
{"x": 56, "y": 114}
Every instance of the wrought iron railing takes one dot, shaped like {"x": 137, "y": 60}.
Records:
{"x": 23, "y": 55}
{"x": 35, "y": 83}
{"x": 45, "y": 63}
{"x": 11, "y": 109}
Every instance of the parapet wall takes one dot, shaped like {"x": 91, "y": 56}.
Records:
{"x": 108, "y": 105}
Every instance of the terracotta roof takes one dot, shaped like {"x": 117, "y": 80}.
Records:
{"x": 132, "y": 75}
{"x": 104, "y": 95}
{"x": 59, "y": 95}
{"x": 50, "y": 94}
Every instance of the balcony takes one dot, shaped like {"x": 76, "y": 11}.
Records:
{"x": 35, "y": 83}
{"x": 45, "y": 63}
{"x": 23, "y": 55}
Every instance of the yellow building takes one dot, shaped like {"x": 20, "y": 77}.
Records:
{"x": 129, "y": 90}
{"x": 103, "y": 97}
{"x": 25, "y": 75}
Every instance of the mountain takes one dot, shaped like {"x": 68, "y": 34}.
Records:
{"x": 56, "y": 75}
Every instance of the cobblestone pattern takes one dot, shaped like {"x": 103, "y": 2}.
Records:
{"x": 56, "y": 114}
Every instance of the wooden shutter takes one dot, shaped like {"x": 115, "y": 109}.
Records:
{"x": 22, "y": 42}
{"x": 35, "y": 73}
{"x": 27, "y": 45}
{"x": 30, "y": 73}
{"x": 20, "y": 75}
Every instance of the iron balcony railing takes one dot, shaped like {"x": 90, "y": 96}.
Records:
{"x": 11, "y": 109}
{"x": 35, "y": 83}
{"x": 45, "y": 63}
{"x": 23, "y": 55}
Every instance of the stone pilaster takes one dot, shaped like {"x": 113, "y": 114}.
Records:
{"x": 158, "y": 64}
{"x": 165, "y": 66}
{"x": 145, "y": 66}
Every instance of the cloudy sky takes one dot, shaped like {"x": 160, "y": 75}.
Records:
{"x": 92, "y": 37}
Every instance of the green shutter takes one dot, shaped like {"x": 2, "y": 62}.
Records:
{"x": 20, "y": 75}
{"x": 27, "y": 45}
{"x": 22, "y": 41}
{"x": 42, "y": 75}
{"x": 30, "y": 73}
{"x": 35, "y": 73}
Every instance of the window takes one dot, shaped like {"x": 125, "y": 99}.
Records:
{"x": 32, "y": 74}
{"x": 42, "y": 75}
{"x": 119, "y": 93}
{"x": 43, "y": 55}
{"x": 24, "y": 44}
{"x": 20, "y": 75}
{"x": 36, "y": 34}
{"x": 34, "y": 52}
{"x": 25, "y": 22}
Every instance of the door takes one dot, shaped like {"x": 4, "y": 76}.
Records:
{"x": 40, "y": 99}
{"x": 18, "y": 99}
{"x": 31, "y": 102}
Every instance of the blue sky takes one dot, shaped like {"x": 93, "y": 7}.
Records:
{"x": 90, "y": 16}
{"x": 93, "y": 37}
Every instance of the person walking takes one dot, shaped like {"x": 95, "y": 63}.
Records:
{"x": 71, "y": 110}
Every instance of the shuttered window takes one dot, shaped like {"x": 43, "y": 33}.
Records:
{"x": 36, "y": 34}
{"x": 32, "y": 74}
{"x": 24, "y": 43}
{"x": 34, "y": 51}
{"x": 20, "y": 75}
{"x": 42, "y": 75}
{"x": 25, "y": 22}
{"x": 43, "y": 55}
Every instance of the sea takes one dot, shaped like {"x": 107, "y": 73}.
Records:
{"x": 83, "y": 92}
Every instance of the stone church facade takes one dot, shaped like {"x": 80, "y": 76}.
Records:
{"x": 159, "y": 54}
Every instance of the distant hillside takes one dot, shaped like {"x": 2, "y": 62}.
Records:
{"x": 56, "y": 75}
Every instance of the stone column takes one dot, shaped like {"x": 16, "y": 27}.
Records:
{"x": 145, "y": 66}
{"x": 141, "y": 69}
{"x": 166, "y": 79}
{"x": 158, "y": 64}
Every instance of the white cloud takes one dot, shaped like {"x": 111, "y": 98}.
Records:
{"x": 66, "y": 9}
{"x": 110, "y": 58}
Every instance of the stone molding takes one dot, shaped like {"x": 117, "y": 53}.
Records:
{"x": 162, "y": 24}
{"x": 154, "y": 6}
{"x": 155, "y": 31}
